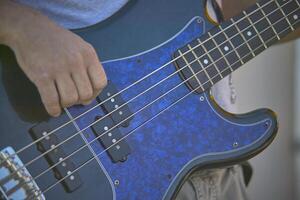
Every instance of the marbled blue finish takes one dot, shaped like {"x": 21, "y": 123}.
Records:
{"x": 190, "y": 130}
{"x": 191, "y": 134}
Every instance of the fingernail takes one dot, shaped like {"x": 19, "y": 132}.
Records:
{"x": 55, "y": 114}
{"x": 87, "y": 102}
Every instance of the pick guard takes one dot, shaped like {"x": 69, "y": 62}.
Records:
{"x": 193, "y": 132}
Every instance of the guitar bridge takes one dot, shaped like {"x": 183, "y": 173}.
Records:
{"x": 15, "y": 180}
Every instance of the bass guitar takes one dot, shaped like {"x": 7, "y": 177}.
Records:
{"x": 156, "y": 121}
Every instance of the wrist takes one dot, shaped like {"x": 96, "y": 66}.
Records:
{"x": 14, "y": 20}
{"x": 7, "y": 21}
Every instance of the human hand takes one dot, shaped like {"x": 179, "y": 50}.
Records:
{"x": 64, "y": 68}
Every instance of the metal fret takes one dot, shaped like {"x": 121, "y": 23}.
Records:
{"x": 288, "y": 21}
{"x": 268, "y": 21}
{"x": 292, "y": 13}
{"x": 296, "y": 9}
{"x": 220, "y": 51}
{"x": 228, "y": 39}
{"x": 191, "y": 49}
{"x": 189, "y": 66}
{"x": 238, "y": 29}
{"x": 212, "y": 61}
{"x": 250, "y": 21}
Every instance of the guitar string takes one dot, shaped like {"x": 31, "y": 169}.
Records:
{"x": 141, "y": 125}
{"x": 30, "y": 162}
{"x": 183, "y": 82}
{"x": 48, "y": 134}
{"x": 126, "y": 88}
{"x": 146, "y": 90}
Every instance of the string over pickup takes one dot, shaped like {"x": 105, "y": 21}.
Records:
{"x": 55, "y": 155}
{"x": 116, "y": 149}
{"x": 113, "y": 103}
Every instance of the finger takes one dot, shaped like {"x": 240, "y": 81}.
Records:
{"x": 84, "y": 86}
{"x": 95, "y": 70}
{"x": 67, "y": 90}
{"x": 49, "y": 96}
{"x": 97, "y": 77}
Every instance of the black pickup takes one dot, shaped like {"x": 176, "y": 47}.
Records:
{"x": 117, "y": 150}
{"x": 113, "y": 103}
{"x": 65, "y": 167}
{"x": 117, "y": 115}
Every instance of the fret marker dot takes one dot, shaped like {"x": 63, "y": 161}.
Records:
{"x": 112, "y": 100}
{"x": 249, "y": 33}
{"x": 205, "y": 61}
{"x": 116, "y": 106}
{"x": 120, "y": 113}
{"x": 114, "y": 141}
{"x": 118, "y": 147}
{"x": 295, "y": 17}
{"x": 105, "y": 128}
{"x": 226, "y": 48}
{"x": 109, "y": 134}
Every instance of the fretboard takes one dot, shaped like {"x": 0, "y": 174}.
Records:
{"x": 227, "y": 47}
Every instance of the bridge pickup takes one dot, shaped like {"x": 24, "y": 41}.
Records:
{"x": 191, "y": 71}
{"x": 120, "y": 150}
{"x": 16, "y": 184}
{"x": 64, "y": 168}
{"x": 114, "y": 105}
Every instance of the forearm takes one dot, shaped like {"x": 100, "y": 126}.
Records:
{"x": 13, "y": 19}
{"x": 64, "y": 68}
{"x": 8, "y": 18}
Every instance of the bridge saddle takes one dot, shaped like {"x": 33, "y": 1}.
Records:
{"x": 15, "y": 180}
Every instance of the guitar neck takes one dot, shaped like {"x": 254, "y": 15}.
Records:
{"x": 225, "y": 48}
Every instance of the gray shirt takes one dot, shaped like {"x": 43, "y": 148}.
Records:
{"x": 73, "y": 14}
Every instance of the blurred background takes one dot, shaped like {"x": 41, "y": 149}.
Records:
{"x": 273, "y": 80}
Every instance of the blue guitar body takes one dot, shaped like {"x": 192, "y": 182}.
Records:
{"x": 195, "y": 133}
